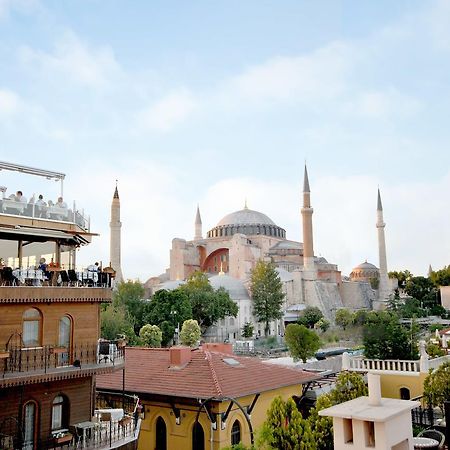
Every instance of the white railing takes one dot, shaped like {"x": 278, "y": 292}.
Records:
{"x": 436, "y": 362}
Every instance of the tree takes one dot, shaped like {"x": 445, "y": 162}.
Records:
{"x": 130, "y": 294}
{"x": 384, "y": 337}
{"x": 114, "y": 321}
{"x": 285, "y": 428}
{"x": 360, "y": 317}
{"x": 441, "y": 277}
{"x": 208, "y": 305}
{"x": 151, "y": 335}
{"x": 247, "y": 330}
{"x": 349, "y": 385}
{"x": 267, "y": 294}
{"x": 423, "y": 290}
{"x": 168, "y": 309}
{"x": 401, "y": 276}
{"x": 344, "y": 318}
{"x": 302, "y": 343}
{"x": 310, "y": 316}
{"x": 436, "y": 387}
{"x": 190, "y": 333}
{"x": 323, "y": 324}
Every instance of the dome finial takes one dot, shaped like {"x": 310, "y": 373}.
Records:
{"x": 116, "y": 192}
{"x": 245, "y": 204}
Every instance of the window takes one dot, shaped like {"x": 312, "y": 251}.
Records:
{"x": 65, "y": 340}
{"x": 161, "y": 434}
{"x": 29, "y": 425}
{"x": 236, "y": 433}
{"x": 198, "y": 437}
{"x": 31, "y": 328}
{"x": 60, "y": 412}
{"x": 404, "y": 393}
{"x": 348, "y": 431}
{"x": 369, "y": 433}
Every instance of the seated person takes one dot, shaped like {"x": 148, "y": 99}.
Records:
{"x": 61, "y": 203}
{"x": 41, "y": 206}
{"x": 43, "y": 266}
{"x": 2, "y": 263}
{"x": 93, "y": 267}
{"x": 40, "y": 201}
{"x": 20, "y": 197}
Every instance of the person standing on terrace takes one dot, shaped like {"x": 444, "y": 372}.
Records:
{"x": 20, "y": 197}
{"x": 61, "y": 203}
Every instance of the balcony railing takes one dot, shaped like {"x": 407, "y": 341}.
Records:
{"x": 50, "y": 359}
{"x": 48, "y": 212}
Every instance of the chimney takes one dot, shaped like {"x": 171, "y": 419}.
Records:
{"x": 374, "y": 385}
{"x": 179, "y": 356}
{"x": 219, "y": 347}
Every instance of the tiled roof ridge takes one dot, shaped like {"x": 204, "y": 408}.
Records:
{"x": 208, "y": 357}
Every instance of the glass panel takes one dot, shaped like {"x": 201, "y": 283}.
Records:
{"x": 31, "y": 314}
{"x": 57, "y": 416}
{"x": 31, "y": 333}
{"x": 29, "y": 420}
{"x": 64, "y": 339}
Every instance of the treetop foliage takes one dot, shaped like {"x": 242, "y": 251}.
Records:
{"x": 436, "y": 387}
{"x": 151, "y": 335}
{"x": 190, "y": 333}
{"x": 302, "y": 342}
{"x": 310, "y": 316}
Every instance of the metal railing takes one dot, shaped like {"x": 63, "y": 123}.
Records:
{"x": 50, "y": 358}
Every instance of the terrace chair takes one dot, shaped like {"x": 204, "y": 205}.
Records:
{"x": 8, "y": 279}
{"x": 65, "y": 280}
{"x": 434, "y": 434}
{"x": 73, "y": 279}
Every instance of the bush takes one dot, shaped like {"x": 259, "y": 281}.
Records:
{"x": 151, "y": 335}
{"x": 190, "y": 333}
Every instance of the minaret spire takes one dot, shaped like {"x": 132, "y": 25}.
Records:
{"x": 307, "y": 212}
{"x": 198, "y": 225}
{"x": 383, "y": 288}
{"x": 115, "y": 239}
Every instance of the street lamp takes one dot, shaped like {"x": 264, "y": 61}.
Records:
{"x": 176, "y": 324}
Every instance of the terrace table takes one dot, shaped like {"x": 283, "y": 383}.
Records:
{"x": 86, "y": 431}
{"x": 423, "y": 442}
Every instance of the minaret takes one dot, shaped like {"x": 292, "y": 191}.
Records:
{"x": 383, "y": 288}
{"x": 198, "y": 226}
{"x": 115, "y": 225}
{"x": 307, "y": 212}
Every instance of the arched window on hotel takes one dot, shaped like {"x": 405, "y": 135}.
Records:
{"x": 30, "y": 411}
{"x": 198, "y": 437}
{"x": 65, "y": 340}
{"x": 161, "y": 434}
{"x": 60, "y": 412}
{"x": 31, "y": 327}
{"x": 404, "y": 393}
{"x": 236, "y": 433}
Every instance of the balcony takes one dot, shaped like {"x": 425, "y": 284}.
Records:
{"x": 47, "y": 363}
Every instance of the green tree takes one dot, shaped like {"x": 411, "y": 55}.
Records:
{"x": 247, "y": 330}
{"x": 436, "y": 387}
{"x": 114, "y": 320}
{"x": 267, "y": 294}
{"x": 441, "y": 277}
{"x": 423, "y": 290}
{"x": 130, "y": 294}
{"x": 323, "y": 324}
{"x": 208, "y": 304}
{"x": 168, "y": 309}
{"x": 349, "y": 385}
{"x": 360, "y": 317}
{"x": 344, "y": 318}
{"x": 151, "y": 335}
{"x": 310, "y": 316}
{"x": 384, "y": 337}
{"x": 302, "y": 343}
{"x": 285, "y": 428}
{"x": 401, "y": 276}
{"x": 190, "y": 333}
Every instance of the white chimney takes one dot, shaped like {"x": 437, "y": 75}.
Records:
{"x": 374, "y": 389}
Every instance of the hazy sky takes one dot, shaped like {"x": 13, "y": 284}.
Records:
{"x": 188, "y": 102}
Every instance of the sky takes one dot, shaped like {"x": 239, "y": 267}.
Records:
{"x": 211, "y": 103}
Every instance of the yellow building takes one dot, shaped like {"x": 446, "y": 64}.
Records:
{"x": 204, "y": 398}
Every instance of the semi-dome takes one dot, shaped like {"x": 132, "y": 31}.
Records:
{"x": 249, "y": 222}
{"x": 234, "y": 286}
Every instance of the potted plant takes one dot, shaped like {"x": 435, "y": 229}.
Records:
{"x": 63, "y": 437}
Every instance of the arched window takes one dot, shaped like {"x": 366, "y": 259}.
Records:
{"x": 405, "y": 394}
{"x": 31, "y": 327}
{"x": 60, "y": 412}
{"x": 29, "y": 425}
{"x": 198, "y": 437}
{"x": 236, "y": 433}
{"x": 65, "y": 340}
{"x": 161, "y": 434}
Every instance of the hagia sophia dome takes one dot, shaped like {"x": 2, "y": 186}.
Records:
{"x": 249, "y": 222}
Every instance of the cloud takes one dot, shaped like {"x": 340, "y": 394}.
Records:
{"x": 168, "y": 112}
{"x": 76, "y": 60}
{"x": 23, "y": 6}
{"x": 9, "y": 103}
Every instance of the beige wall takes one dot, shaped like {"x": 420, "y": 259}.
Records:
{"x": 180, "y": 436}
{"x": 392, "y": 383}
{"x": 445, "y": 296}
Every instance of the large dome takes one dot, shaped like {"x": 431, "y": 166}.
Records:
{"x": 249, "y": 222}
{"x": 246, "y": 217}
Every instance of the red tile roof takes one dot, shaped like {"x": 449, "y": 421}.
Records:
{"x": 205, "y": 375}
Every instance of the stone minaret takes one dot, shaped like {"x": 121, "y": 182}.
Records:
{"x": 198, "y": 226}
{"x": 115, "y": 246}
{"x": 383, "y": 289}
{"x": 307, "y": 212}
